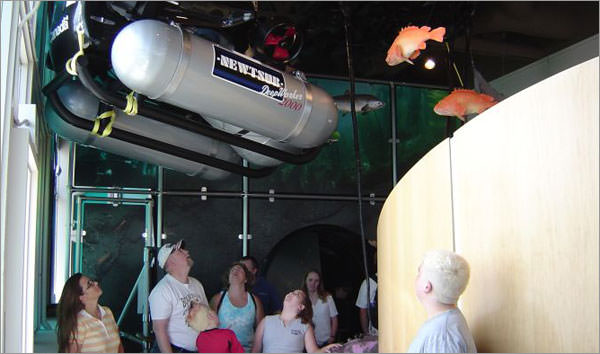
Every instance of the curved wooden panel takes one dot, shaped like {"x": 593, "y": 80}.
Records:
{"x": 417, "y": 216}
{"x": 525, "y": 182}
{"x": 521, "y": 192}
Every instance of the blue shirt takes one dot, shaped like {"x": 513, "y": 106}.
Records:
{"x": 268, "y": 295}
{"x": 446, "y": 332}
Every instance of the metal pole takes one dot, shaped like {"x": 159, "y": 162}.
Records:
{"x": 393, "y": 109}
{"x": 347, "y": 29}
{"x": 109, "y": 200}
{"x": 71, "y": 172}
{"x": 371, "y": 81}
{"x": 245, "y": 212}
{"x": 184, "y": 193}
{"x": 130, "y": 298}
{"x": 159, "y": 206}
{"x": 132, "y": 338}
{"x": 365, "y": 198}
{"x": 146, "y": 285}
{"x": 78, "y": 240}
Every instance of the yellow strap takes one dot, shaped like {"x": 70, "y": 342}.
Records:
{"x": 108, "y": 129}
{"x": 71, "y": 65}
{"x": 132, "y": 104}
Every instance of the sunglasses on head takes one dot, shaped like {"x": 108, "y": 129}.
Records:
{"x": 181, "y": 247}
{"x": 89, "y": 283}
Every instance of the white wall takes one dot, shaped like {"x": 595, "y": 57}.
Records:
{"x": 18, "y": 180}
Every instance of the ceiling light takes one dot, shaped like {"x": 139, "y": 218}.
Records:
{"x": 429, "y": 64}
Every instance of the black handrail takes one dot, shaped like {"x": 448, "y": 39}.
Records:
{"x": 183, "y": 123}
{"x": 67, "y": 116}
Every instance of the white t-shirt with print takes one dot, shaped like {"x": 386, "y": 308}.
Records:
{"x": 171, "y": 299}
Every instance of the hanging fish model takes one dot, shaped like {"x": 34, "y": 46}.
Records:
{"x": 410, "y": 41}
{"x": 362, "y": 103}
{"x": 462, "y": 102}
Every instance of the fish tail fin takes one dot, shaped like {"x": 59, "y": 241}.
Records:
{"x": 438, "y": 34}
{"x": 487, "y": 97}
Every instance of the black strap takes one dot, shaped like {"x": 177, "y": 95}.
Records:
{"x": 221, "y": 301}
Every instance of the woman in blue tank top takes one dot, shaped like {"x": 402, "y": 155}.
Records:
{"x": 238, "y": 309}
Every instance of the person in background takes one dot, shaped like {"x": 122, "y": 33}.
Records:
{"x": 266, "y": 292}
{"x": 325, "y": 315}
{"x": 210, "y": 338}
{"x": 368, "y": 328}
{"x": 237, "y": 308}
{"x": 171, "y": 299}
{"x": 291, "y": 331}
{"x": 83, "y": 325}
{"x": 442, "y": 278}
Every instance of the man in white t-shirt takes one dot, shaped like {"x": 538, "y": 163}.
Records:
{"x": 171, "y": 298}
{"x": 368, "y": 328}
{"x": 363, "y": 305}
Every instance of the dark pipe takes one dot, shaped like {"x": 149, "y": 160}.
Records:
{"x": 348, "y": 36}
{"x": 135, "y": 139}
{"x": 158, "y": 115}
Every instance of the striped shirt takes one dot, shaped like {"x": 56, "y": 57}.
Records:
{"x": 97, "y": 335}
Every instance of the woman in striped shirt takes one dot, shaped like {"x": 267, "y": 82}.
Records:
{"x": 83, "y": 325}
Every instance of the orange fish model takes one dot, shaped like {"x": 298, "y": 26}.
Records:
{"x": 462, "y": 102}
{"x": 409, "y": 43}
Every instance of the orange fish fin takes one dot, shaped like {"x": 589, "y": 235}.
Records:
{"x": 464, "y": 90}
{"x": 408, "y": 61}
{"x": 398, "y": 50}
{"x": 438, "y": 34}
{"x": 422, "y": 45}
{"x": 426, "y": 28}
{"x": 487, "y": 97}
{"x": 409, "y": 27}
{"x": 415, "y": 54}
{"x": 460, "y": 112}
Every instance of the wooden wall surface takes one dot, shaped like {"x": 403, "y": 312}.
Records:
{"x": 523, "y": 201}
{"x": 415, "y": 230}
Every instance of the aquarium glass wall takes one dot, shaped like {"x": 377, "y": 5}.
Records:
{"x": 299, "y": 217}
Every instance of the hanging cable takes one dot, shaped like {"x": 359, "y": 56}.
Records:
{"x": 357, "y": 156}
{"x": 30, "y": 14}
{"x": 454, "y": 65}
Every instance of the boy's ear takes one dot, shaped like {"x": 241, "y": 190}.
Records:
{"x": 428, "y": 287}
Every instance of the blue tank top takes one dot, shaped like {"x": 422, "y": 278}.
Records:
{"x": 239, "y": 319}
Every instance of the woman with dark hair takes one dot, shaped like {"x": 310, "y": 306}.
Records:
{"x": 323, "y": 307}
{"x": 83, "y": 325}
{"x": 237, "y": 308}
{"x": 291, "y": 331}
